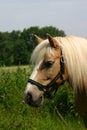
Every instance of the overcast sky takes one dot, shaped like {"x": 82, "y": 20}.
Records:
{"x": 67, "y": 15}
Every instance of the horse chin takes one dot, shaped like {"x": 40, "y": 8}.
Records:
{"x": 36, "y": 103}
{"x": 32, "y": 104}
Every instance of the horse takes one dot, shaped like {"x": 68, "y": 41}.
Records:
{"x": 56, "y": 60}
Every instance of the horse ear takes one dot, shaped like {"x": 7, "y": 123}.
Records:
{"x": 38, "y": 39}
{"x": 53, "y": 42}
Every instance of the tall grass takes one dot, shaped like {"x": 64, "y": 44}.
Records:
{"x": 14, "y": 115}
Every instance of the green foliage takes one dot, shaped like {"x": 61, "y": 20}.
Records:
{"x": 14, "y": 115}
{"x": 21, "y": 54}
{"x": 64, "y": 100}
{"x": 16, "y": 47}
{"x": 51, "y": 30}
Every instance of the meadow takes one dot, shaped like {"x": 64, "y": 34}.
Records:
{"x": 15, "y": 115}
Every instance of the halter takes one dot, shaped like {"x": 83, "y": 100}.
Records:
{"x": 46, "y": 88}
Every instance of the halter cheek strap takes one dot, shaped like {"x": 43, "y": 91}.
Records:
{"x": 46, "y": 88}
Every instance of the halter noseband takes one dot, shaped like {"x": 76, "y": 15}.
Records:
{"x": 46, "y": 88}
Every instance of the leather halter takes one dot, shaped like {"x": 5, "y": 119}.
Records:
{"x": 46, "y": 88}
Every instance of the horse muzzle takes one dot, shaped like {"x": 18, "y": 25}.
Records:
{"x": 31, "y": 100}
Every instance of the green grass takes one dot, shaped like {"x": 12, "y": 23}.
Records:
{"x": 14, "y": 115}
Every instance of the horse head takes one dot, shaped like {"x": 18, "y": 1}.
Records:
{"x": 48, "y": 73}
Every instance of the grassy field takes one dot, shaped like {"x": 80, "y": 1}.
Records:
{"x": 14, "y": 115}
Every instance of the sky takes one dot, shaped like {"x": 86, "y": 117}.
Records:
{"x": 67, "y": 15}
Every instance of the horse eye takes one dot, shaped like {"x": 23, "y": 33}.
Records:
{"x": 49, "y": 64}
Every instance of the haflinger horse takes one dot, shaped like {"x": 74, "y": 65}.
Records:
{"x": 56, "y": 60}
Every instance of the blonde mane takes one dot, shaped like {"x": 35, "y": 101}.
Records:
{"x": 74, "y": 51}
{"x": 39, "y": 52}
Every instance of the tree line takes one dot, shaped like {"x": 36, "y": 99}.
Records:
{"x": 16, "y": 46}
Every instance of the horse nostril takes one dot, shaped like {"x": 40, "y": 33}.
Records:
{"x": 41, "y": 97}
{"x": 29, "y": 97}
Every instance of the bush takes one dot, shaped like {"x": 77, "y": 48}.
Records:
{"x": 12, "y": 85}
{"x": 14, "y": 115}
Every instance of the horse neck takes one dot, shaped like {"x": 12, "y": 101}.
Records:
{"x": 75, "y": 53}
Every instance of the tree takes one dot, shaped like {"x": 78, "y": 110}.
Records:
{"x": 6, "y": 53}
{"x": 21, "y": 54}
{"x": 16, "y": 47}
{"x": 52, "y": 31}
